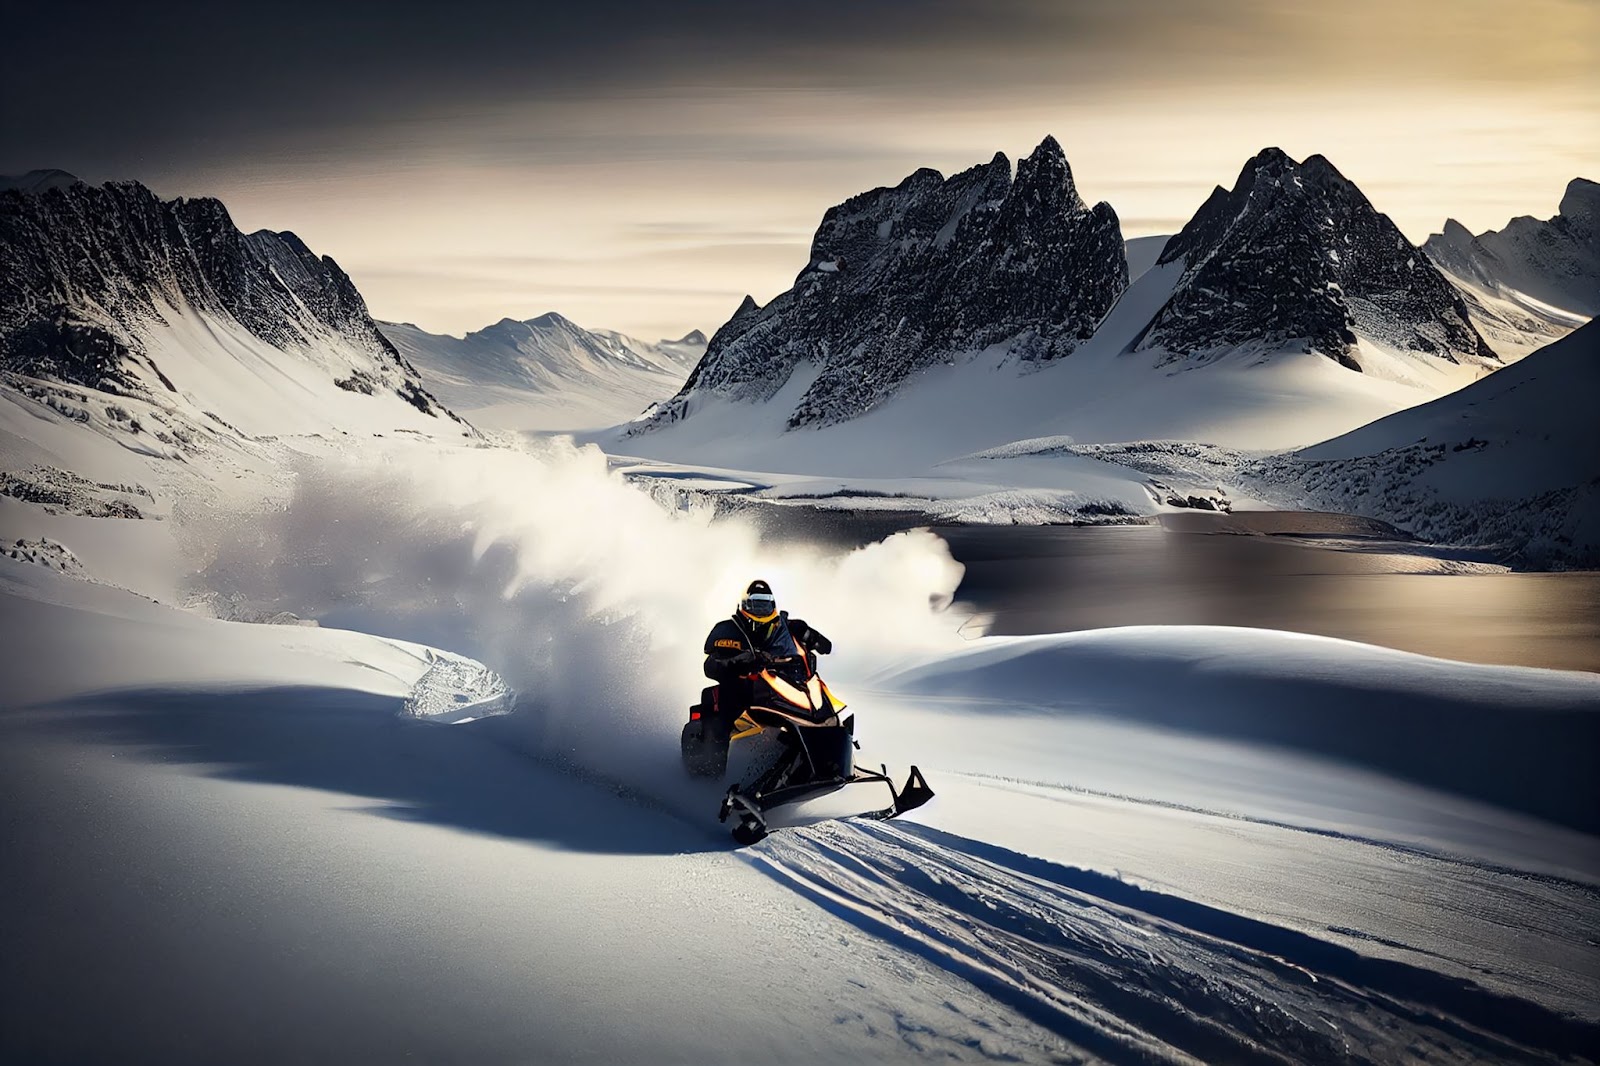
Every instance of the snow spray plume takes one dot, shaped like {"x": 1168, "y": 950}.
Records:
{"x": 586, "y": 595}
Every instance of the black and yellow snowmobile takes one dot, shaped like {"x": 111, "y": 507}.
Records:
{"x": 800, "y": 748}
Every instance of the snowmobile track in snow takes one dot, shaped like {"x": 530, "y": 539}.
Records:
{"x": 1584, "y": 888}
{"x": 1132, "y": 975}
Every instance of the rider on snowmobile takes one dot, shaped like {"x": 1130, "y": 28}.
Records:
{"x": 765, "y": 666}
{"x": 756, "y": 629}
{"x": 736, "y": 645}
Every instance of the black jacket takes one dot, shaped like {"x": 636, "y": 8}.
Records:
{"x": 731, "y": 638}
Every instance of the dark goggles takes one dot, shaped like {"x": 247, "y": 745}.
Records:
{"x": 760, "y": 606}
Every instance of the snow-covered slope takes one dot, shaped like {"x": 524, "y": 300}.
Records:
{"x": 1512, "y": 461}
{"x": 1143, "y": 252}
{"x": 547, "y": 372}
{"x": 1542, "y": 263}
{"x": 929, "y": 272}
{"x": 1157, "y": 845}
{"x": 109, "y": 288}
{"x": 1534, "y": 280}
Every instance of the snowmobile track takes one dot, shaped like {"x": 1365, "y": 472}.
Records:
{"x": 1132, "y": 975}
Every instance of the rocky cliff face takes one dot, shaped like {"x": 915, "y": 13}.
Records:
{"x": 930, "y": 271}
{"x": 1555, "y": 261}
{"x": 1295, "y": 254}
{"x": 86, "y": 271}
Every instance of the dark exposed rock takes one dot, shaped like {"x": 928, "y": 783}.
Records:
{"x": 86, "y": 270}
{"x": 927, "y": 272}
{"x": 1295, "y": 253}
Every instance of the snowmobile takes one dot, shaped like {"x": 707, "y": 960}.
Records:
{"x": 809, "y": 749}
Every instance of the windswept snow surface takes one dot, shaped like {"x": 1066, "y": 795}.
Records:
{"x": 1173, "y": 845}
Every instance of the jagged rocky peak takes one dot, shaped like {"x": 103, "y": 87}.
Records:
{"x": 87, "y": 272}
{"x": 1295, "y": 255}
{"x": 1580, "y": 205}
{"x": 929, "y": 271}
{"x": 1554, "y": 261}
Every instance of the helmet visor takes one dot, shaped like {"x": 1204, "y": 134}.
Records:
{"x": 759, "y": 606}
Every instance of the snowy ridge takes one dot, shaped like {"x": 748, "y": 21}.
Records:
{"x": 109, "y": 288}
{"x": 1533, "y": 281}
{"x": 1542, "y": 265}
{"x": 1131, "y": 975}
{"x": 456, "y": 689}
{"x": 547, "y": 372}
{"x": 1511, "y": 462}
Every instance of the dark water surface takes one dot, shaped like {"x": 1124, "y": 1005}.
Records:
{"x": 1323, "y": 574}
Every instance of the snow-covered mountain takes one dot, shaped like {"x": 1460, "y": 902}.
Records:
{"x": 156, "y": 362}
{"x": 112, "y": 289}
{"x": 37, "y": 181}
{"x": 1512, "y": 461}
{"x": 547, "y": 372}
{"x": 1295, "y": 255}
{"x": 928, "y": 272}
{"x": 910, "y": 288}
{"x": 1536, "y": 279}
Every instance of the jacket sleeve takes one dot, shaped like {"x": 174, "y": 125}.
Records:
{"x": 809, "y": 638}
{"x": 724, "y": 645}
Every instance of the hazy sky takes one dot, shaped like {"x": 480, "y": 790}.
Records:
{"x": 642, "y": 165}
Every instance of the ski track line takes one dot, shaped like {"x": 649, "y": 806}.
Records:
{"x": 1586, "y": 889}
{"x": 1136, "y": 976}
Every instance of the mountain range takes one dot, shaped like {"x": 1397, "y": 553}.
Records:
{"x": 1534, "y": 280}
{"x": 935, "y": 322}
{"x": 938, "y": 272}
{"x": 546, "y": 373}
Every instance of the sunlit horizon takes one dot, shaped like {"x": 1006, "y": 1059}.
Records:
{"x": 644, "y": 172}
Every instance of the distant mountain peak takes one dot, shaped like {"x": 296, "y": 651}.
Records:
{"x": 38, "y": 181}
{"x": 1536, "y": 264}
{"x": 931, "y": 270}
{"x": 1581, "y": 202}
{"x": 557, "y": 373}
{"x": 1046, "y": 175}
{"x": 1295, "y": 253}
{"x": 552, "y": 318}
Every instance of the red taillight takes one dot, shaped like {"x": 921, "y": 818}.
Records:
{"x": 694, "y": 715}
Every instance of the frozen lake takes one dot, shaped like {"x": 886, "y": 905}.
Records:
{"x": 1321, "y": 574}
